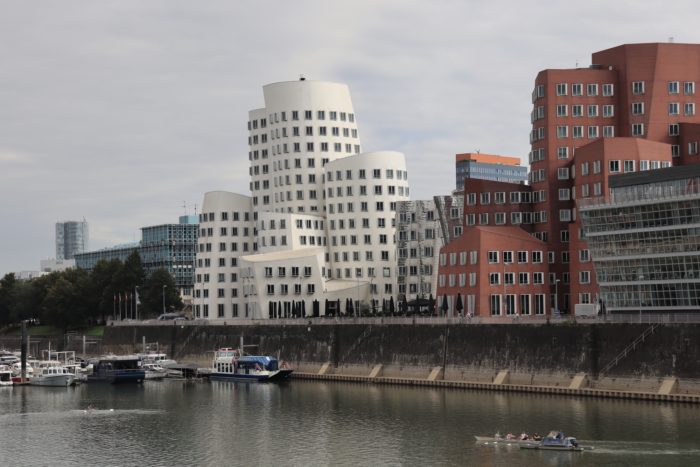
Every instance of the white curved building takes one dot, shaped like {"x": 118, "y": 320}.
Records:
{"x": 321, "y": 219}
{"x": 226, "y": 232}
{"x": 361, "y": 196}
{"x": 304, "y": 125}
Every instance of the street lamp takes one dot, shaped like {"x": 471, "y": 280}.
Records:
{"x": 556, "y": 295}
{"x": 164, "y": 287}
{"x": 136, "y": 301}
{"x": 641, "y": 278}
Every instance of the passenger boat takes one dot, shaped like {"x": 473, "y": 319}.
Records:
{"x": 117, "y": 369}
{"x": 231, "y": 365}
{"x": 53, "y": 375}
{"x": 5, "y": 375}
{"x": 557, "y": 441}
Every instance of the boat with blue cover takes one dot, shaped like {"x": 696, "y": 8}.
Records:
{"x": 232, "y": 365}
{"x": 557, "y": 441}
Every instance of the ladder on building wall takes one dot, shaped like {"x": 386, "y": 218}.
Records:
{"x": 358, "y": 341}
{"x": 627, "y": 350}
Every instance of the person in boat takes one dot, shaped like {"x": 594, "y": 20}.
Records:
{"x": 510, "y": 436}
{"x": 524, "y": 437}
{"x": 537, "y": 437}
{"x": 497, "y": 435}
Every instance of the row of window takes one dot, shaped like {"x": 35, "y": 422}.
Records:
{"x": 674, "y": 108}
{"x": 362, "y": 174}
{"x": 323, "y": 146}
{"x": 224, "y": 216}
{"x": 592, "y": 89}
{"x": 577, "y": 131}
{"x": 276, "y": 117}
{"x": 508, "y": 278}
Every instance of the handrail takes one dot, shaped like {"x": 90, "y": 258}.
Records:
{"x": 629, "y": 348}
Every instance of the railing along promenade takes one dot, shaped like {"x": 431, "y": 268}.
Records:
{"x": 646, "y": 318}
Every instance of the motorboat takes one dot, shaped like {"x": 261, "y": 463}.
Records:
{"x": 117, "y": 369}
{"x": 53, "y": 375}
{"x": 5, "y": 375}
{"x": 8, "y": 358}
{"x": 507, "y": 440}
{"x": 154, "y": 371}
{"x": 557, "y": 441}
{"x": 232, "y": 365}
{"x": 157, "y": 358}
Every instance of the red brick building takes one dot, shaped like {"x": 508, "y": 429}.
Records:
{"x": 633, "y": 109}
{"x": 497, "y": 271}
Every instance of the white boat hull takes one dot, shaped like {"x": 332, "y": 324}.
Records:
{"x": 53, "y": 380}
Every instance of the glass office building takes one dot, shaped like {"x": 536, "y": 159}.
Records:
{"x": 644, "y": 239}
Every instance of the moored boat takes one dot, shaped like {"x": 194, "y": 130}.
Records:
{"x": 5, "y": 375}
{"x": 117, "y": 369}
{"x": 53, "y": 375}
{"x": 154, "y": 371}
{"x": 231, "y": 365}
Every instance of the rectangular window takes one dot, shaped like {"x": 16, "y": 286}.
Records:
{"x": 608, "y": 111}
{"x": 577, "y": 132}
{"x": 563, "y": 173}
{"x": 614, "y": 166}
{"x": 577, "y": 89}
{"x": 561, "y": 89}
{"x": 693, "y": 148}
{"x": 577, "y": 111}
{"x": 673, "y": 129}
{"x": 689, "y": 87}
{"x": 673, "y": 87}
{"x": 637, "y": 87}
{"x": 637, "y": 129}
{"x": 562, "y": 131}
{"x": 608, "y": 90}
{"x": 673, "y": 108}
{"x": 689, "y": 108}
{"x": 592, "y": 89}
{"x": 493, "y": 257}
{"x": 592, "y": 131}
{"x": 563, "y": 152}
{"x": 608, "y": 131}
{"x": 637, "y": 108}
{"x": 562, "y": 110}
{"x": 628, "y": 166}
{"x": 592, "y": 110}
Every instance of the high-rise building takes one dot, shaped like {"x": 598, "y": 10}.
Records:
{"x": 488, "y": 167}
{"x": 71, "y": 237}
{"x": 320, "y": 222}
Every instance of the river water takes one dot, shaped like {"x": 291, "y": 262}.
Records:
{"x": 299, "y": 423}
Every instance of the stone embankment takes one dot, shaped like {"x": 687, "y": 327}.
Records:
{"x": 641, "y": 361}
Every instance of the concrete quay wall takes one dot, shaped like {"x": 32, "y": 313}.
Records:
{"x": 512, "y": 355}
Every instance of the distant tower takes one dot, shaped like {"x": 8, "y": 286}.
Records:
{"x": 71, "y": 237}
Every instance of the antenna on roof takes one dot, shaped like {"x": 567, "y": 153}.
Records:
{"x": 670, "y": 40}
{"x": 184, "y": 205}
{"x": 302, "y": 78}
{"x": 576, "y": 63}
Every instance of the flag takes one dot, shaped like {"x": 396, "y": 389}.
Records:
{"x": 136, "y": 294}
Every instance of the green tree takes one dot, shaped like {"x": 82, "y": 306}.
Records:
{"x": 8, "y": 293}
{"x": 66, "y": 305}
{"x": 101, "y": 289}
{"x": 160, "y": 283}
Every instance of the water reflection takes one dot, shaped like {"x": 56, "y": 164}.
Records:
{"x": 173, "y": 423}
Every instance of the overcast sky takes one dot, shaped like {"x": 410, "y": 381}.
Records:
{"x": 121, "y": 112}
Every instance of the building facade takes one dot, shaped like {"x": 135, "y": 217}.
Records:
{"x": 644, "y": 238}
{"x": 640, "y": 91}
{"x": 72, "y": 237}
{"x": 321, "y": 215}
{"x": 488, "y": 167}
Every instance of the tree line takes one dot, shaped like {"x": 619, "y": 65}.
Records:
{"x": 75, "y": 298}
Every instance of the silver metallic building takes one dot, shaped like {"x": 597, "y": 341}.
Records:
{"x": 644, "y": 240}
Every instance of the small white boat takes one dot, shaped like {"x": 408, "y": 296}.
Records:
{"x": 230, "y": 365}
{"x": 5, "y": 375}
{"x": 157, "y": 358}
{"x": 154, "y": 371}
{"x": 53, "y": 375}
